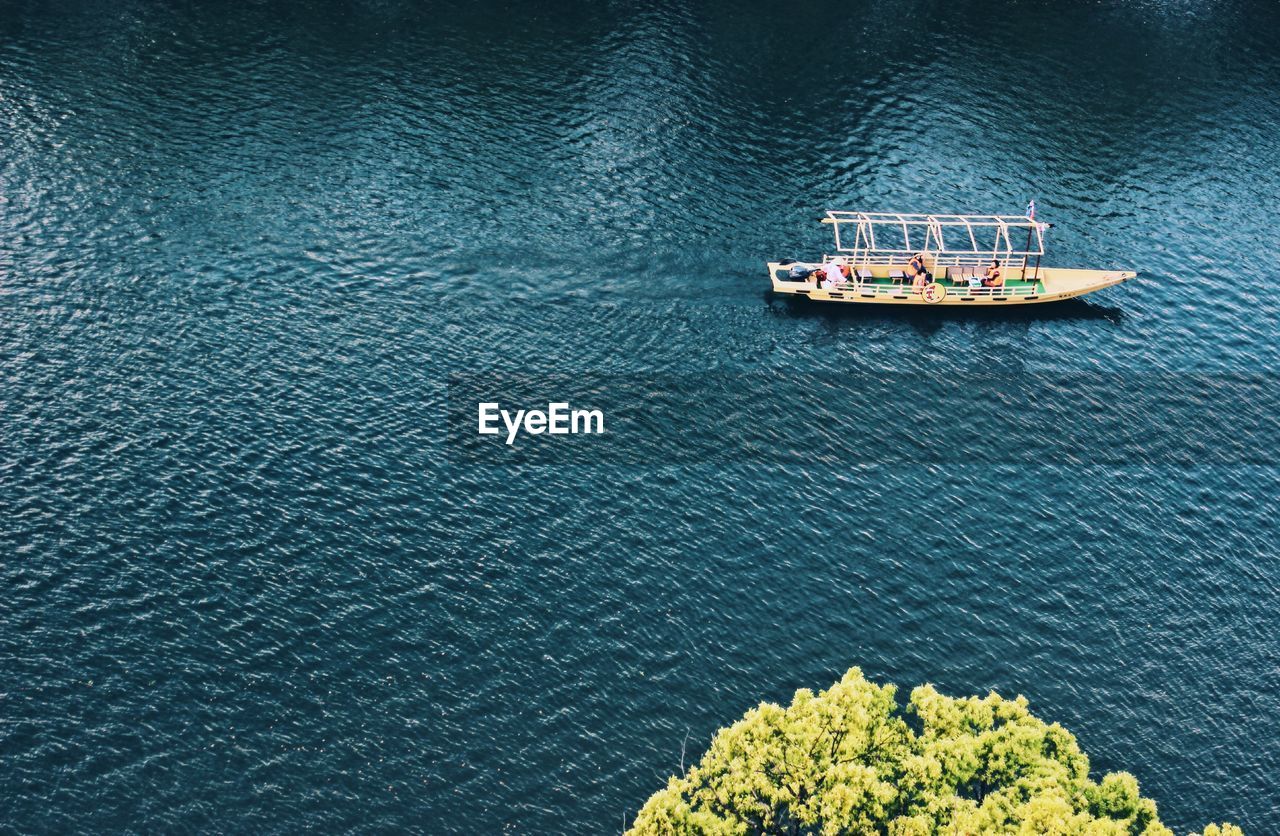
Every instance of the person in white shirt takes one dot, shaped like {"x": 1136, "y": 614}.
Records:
{"x": 834, "y": 273}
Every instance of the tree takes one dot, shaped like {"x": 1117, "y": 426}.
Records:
{"x": 850, "y": 760}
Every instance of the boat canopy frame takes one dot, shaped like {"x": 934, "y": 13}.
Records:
{"x": 865, "y": 250}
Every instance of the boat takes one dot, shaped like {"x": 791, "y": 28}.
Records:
{"x": 874, "y": 251}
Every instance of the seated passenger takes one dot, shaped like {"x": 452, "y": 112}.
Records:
{"x": 992, "y": 278}
{"x": 916, "y": 268}
{"x": 921, "y": 279}
{"x": 834, "y": 271}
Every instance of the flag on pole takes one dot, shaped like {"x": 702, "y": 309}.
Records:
{"x": 1031, "y": 210}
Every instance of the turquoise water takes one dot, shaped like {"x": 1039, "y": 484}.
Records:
{"x": 253, "y": 582}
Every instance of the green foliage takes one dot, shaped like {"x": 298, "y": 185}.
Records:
{"x": 851, "y": 760}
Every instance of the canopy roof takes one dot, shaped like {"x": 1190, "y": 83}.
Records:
{"x": 1008, "y": 235}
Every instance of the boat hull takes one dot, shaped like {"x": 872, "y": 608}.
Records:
{"x": 1050, "y": 284}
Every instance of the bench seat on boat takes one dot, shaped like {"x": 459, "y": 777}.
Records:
{"x": 961, "y": 274}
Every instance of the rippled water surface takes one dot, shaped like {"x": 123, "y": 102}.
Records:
{"x": 248, "y": 586}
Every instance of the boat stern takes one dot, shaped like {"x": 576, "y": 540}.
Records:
{"x": 781, "y": 282}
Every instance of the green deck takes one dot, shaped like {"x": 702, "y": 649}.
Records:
{"x": 947, "y": 283}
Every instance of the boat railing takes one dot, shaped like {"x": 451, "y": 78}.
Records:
{"x": 981, "y": 261}
{"x": 939, "y": 263}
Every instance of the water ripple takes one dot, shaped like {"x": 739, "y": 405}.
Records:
{"x": 243, "y": 247}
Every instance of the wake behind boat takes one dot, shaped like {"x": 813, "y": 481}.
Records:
{"x": 900, "y": 259}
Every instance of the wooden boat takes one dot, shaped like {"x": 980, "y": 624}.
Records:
{"x": 876, "y": 248}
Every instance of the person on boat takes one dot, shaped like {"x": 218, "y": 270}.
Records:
{"x": 992, "y": 278}
{"x": 834, "y": 271}
{"x": 916, "y": 269}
